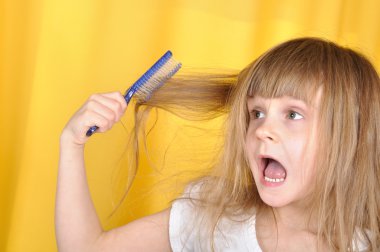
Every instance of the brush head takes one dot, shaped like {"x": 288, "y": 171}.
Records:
{"x": 150, "y": 81}
{"x": 154, "y": 78}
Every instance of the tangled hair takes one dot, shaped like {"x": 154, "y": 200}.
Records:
{"x": 346, "y": 197}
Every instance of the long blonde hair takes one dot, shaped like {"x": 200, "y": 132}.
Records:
{"x": 346, "y": 198}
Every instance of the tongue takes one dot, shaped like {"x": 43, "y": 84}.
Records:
{"x": 274, "y": 170}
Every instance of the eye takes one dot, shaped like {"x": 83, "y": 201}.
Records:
{"x": 294, "y": 115}
{"x": 256, "y": 114}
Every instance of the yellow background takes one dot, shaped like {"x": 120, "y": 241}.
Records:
{"x": 54, "y": 54}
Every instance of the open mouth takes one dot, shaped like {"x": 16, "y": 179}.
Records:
{"x": 273, "y": 171}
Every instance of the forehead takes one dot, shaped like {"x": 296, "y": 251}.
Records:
{"x": 296, "y": 90}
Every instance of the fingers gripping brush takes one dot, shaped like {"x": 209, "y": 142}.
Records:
{"x": 150, "y": 81}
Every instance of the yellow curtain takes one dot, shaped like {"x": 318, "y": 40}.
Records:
{"x": 54, "y": 54}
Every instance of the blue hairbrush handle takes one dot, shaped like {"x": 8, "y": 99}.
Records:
{"x": 151, "y": 80}
{"x": 91, "y": 130}
{"x": 127, "y": 98}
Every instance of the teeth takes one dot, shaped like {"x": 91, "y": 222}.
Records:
{"x": 273, "y": 180}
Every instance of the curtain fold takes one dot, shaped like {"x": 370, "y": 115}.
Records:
{"x": 54, "y": 54}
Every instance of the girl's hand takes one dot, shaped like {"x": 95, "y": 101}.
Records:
{"x": 102, "y": 110}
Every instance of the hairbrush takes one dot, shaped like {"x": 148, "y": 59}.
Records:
{"x": 150, "y": 81}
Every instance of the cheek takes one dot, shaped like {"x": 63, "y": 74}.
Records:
{"x": 303, "y": 161}
{"x": 296, "y": 149}
{"x": 249, "y": 140}
{"x": 310, "y": 163}
{"x": 300, "y": 155}
{"x": 250, "y": 150}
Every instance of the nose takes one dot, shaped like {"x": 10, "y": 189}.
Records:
{"x": 266, "y": 132}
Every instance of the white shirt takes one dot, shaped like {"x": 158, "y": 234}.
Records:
{"x": 230, "y": 236}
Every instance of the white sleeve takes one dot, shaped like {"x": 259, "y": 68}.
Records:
{"x": 183, "y": 232}
{"x": 180, "y": 226}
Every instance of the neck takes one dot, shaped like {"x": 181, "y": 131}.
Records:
{"x": 294, "y": 217}
{"x": 287, "y": 228}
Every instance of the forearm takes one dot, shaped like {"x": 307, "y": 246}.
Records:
{"x": 77, "y": 224}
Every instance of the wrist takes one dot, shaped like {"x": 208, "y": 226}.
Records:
{"x": 67, "y": 141}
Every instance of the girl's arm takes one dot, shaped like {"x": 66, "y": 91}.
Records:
{"x": 77, "y": 225}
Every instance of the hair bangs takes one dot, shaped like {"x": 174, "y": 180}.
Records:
{"x": 289, "y": 70}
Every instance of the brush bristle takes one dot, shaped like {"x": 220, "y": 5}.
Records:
{"x": 165, "y": 72}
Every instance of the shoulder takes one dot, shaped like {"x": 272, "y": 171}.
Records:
{"x": 361, "y": 239}
{"x": 182, "y": 216}
{"x": 188, "y": 232}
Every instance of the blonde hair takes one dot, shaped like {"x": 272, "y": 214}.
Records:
{"x": 346, "y": 197}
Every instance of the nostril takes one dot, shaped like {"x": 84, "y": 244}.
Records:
{"x": 265, "y": 134}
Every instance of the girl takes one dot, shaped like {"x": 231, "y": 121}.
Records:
{"x": 299, "y": 171}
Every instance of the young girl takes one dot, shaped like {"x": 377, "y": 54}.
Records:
{"x": 299, "y": 171}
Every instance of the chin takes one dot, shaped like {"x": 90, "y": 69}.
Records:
{"x": 274, "y": 201}
{"x": 275, "y": 204}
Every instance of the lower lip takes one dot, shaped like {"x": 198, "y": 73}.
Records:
{"x": 271, "y": 184}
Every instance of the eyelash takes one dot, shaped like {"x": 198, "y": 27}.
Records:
{"x": 254, "y": 114}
